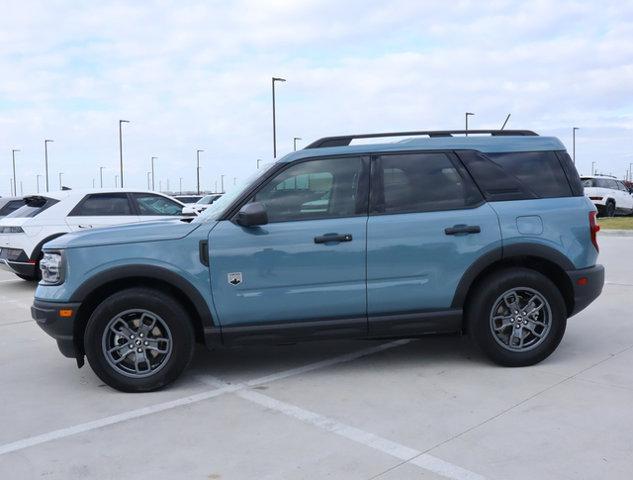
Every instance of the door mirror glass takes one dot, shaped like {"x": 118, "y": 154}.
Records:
{"x": 251, "y": 215}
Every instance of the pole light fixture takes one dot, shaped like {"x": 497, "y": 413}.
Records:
{"x": 198, "y": 170}
{"x": 46, "y": 142}
{"x": 466, "y": 115}
{"x": 573, "y": 136}
{"x": 121, "y": 148}
{"x": 275, "y": 79}
{"x": 15, "y": 188}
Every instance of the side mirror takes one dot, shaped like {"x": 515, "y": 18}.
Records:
{"x": 251, "y": 215}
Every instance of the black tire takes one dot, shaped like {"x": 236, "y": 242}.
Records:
{"x": 609, "y": 210}
{"x": 479, "y": 313}
{"x": 175, "y": 320}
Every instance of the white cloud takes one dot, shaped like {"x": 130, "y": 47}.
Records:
{"x": 197, "y": 75}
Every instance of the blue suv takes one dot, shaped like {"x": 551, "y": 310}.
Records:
{"x": 487, "y": 233}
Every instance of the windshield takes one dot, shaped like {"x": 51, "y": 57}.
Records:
{"x": 217, "y": 208}
{"x": 208, "y": 200}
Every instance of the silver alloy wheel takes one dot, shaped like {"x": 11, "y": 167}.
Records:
{"x": 137, "y": 343}
{"x": 520, "y": 319}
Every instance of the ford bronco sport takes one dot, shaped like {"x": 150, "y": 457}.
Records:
{"x": 488, "y": 234}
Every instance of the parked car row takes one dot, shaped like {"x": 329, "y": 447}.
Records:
{"x": 489, "y": 235}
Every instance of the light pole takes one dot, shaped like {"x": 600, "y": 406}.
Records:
{"x": 15, "y": 189}
{"x": 180, "y": 185}
{"x": 258, "y": 160}
{"x": 93, "y": 183}
{"x": 21, "y": 190}
{"x": 234, "y": 181}
{"x": 101, "y": 176}
{"x": 467, "y": 114}
{"x": 573, "y": 134}
{"x": 46, "y": 142}
{"x": 198, "y": 170}
{"x": 149, "y": 185}
{"x": 294, "y": 140}
{"x": 116, "y": 181}
{"x": 275, "y": 79}
{"x": 221, "y": 183}
{"x": 153, "y": 158}
{"x": 630, "y": 172}
{"x": 37, "y": 179}
{"x": 593, "y": 164}
{"x": 60, "y": 180}
{"x": 121, "y": 148}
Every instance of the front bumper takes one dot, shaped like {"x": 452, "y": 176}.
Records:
{"x": 27, "y": 269}
{"x": 54, "y": 319}
{"x": 587, "y": 284}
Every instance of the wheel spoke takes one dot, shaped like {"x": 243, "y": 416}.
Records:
{"x": 505, "y": 322}
{"x": 155, "y": 345}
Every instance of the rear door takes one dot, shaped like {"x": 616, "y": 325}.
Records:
{"x": 101, "y": 210}
{"x": 625, "y": 198}
{"x": 427, "y": 225}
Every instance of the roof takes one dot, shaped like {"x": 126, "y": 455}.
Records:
{"x": 488, "y": 144}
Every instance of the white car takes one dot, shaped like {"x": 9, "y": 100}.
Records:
{"x": 202, "y": 204}
{"x": 50, "y": 215}
{"x": 608, "y": 194}
{"x": 188, "y": 199}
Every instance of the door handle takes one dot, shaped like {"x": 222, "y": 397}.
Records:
{"x": 466, "y": 229}
{"x": 333, "y": 237}
{"x": 84, "y": 226}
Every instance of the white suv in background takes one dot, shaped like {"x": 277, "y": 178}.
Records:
{"x": 202, "y": 204}
{"x": 608, "y": 194}
{"x": 50, "y": 215}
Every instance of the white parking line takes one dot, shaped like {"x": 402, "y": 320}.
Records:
{"x": 161, "y": 407}
{"x": 401, "y": 452}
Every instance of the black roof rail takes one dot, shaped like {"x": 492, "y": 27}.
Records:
{"x": 345, "y": 140}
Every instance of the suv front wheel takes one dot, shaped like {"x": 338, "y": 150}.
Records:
{"x": 517, "y": 317}
{"x": 139, "y": 340}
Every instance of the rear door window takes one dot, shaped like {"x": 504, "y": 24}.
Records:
{"x": 103, "y": 204}
{"x": 420, "y": 182}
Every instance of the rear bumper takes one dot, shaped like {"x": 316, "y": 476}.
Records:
{"x": 587, "y": 284}
{"x": 27, "y": 269}
{"x": 48, "y": 317}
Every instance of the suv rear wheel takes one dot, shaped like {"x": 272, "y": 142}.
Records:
{"x": 517, "y": 317}
{"x": 139, "y": 340}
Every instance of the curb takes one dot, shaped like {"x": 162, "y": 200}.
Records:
{"x": 616, "y": 233}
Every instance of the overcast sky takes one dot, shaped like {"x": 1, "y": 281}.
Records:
{"x": 194, "y": 75}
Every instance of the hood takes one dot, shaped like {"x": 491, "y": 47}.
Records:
{"x": 133, "y": 233}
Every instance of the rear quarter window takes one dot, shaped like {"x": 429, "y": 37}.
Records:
{"x": 32, "y": 208}
{"x": 522, "y": 175}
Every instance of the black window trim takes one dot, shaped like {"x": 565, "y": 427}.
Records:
{"x": 76, "y": 208}
{"x": 377, "y": 181}
{"x": 231, "y": 212}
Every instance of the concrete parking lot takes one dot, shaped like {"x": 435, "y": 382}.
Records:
{"x": 429, "y": 408}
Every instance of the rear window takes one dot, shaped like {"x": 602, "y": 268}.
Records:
{"x": 32, "y": 206}
{"x": 522, "y": 175}
{"x": 10, "y": 207}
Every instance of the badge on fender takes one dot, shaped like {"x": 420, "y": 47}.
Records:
{"x": 235, "y": 278}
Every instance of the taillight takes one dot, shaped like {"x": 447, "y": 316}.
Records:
{"x": 594, "y": 228}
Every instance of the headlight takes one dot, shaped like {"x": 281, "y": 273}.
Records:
{"x": 51, "y": 266}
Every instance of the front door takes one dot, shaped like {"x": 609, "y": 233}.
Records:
{"x": 427, "y": 225}
{"x": 308, "y": 263}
